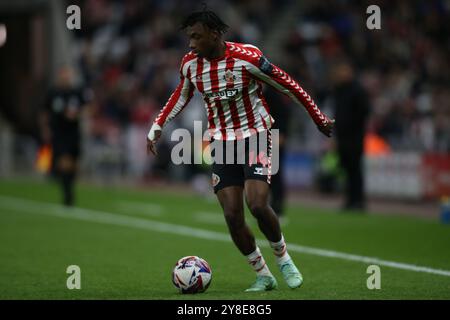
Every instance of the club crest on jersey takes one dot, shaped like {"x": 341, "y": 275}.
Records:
{"x": 229, "y": 77}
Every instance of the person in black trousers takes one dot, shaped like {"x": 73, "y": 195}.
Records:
{"x": 60, "y": 127}
{"x": 351, "y": 113}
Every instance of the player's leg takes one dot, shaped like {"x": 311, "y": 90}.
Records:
{"x": 257, "y": 178}
{"x": 257, "y": 198}
{"x": 228, "y": 184}
{"x": 231, "y": 200}
{"x": 256, "y": 188}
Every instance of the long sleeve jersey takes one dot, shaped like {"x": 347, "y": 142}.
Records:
{"x": 231, "y": 87}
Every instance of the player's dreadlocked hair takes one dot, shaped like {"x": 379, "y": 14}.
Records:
{"x": 208, "y": 18}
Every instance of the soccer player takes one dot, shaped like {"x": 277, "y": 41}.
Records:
{"x": 229, "y": 76}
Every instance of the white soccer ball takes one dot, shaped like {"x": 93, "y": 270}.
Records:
{"x": 191, "y": 274}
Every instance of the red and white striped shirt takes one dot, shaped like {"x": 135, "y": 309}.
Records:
{"x": 232, "y": 91}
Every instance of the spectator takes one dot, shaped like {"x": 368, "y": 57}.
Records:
{"x": 351, "y": 114}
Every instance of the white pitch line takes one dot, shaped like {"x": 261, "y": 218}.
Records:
{"x": 37, "y": 207}
{"x": 210, "y": 217}
{"x": 149, "y": 209}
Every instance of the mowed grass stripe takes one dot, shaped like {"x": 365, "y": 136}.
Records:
{"x": 36, "y": 207}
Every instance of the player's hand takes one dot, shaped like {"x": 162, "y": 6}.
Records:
{"x": 151, "y": 144}
{"x": 327, "y": 127}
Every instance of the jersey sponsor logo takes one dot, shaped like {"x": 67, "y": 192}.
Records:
{"x": 229, "y": 93}
{"x": 215, "y": 180}
{"x": 265, "y": 65}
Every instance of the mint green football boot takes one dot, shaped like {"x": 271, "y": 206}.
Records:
{"x": 263, "y": 283}
{"x": 291, "y": 275}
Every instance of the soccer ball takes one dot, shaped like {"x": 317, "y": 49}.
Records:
{"x": 191, "y": 274}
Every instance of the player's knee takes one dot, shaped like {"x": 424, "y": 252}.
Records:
{"x": 234, "y": 218}
{"x": 257, "y": 208}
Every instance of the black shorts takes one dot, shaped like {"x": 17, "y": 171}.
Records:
{"x": 248, "y": 159}
{"x": 66, "y": 146}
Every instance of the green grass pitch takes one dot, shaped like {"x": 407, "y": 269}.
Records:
{"x": 126, "y": 242}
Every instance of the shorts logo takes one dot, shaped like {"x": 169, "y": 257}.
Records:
{"x": 215, "y": 179}
{"x": 258, "y": 171}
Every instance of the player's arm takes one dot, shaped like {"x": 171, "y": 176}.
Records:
{"x": 269, "y": 73}
{"x": 176, "y": 103}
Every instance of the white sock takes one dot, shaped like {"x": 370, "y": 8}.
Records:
{"x": 256, "y": 260}
{"x": 280, "y": 251}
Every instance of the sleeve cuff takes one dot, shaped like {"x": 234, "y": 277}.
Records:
{"x": 151, "y": 133}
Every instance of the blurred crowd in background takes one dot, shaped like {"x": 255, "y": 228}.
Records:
{"x": 405, "y": 65}
{"x": 128, "y": 53}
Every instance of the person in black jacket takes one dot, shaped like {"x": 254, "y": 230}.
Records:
{"x": 60, "y": 127}
{"x": 351, "y": 113}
